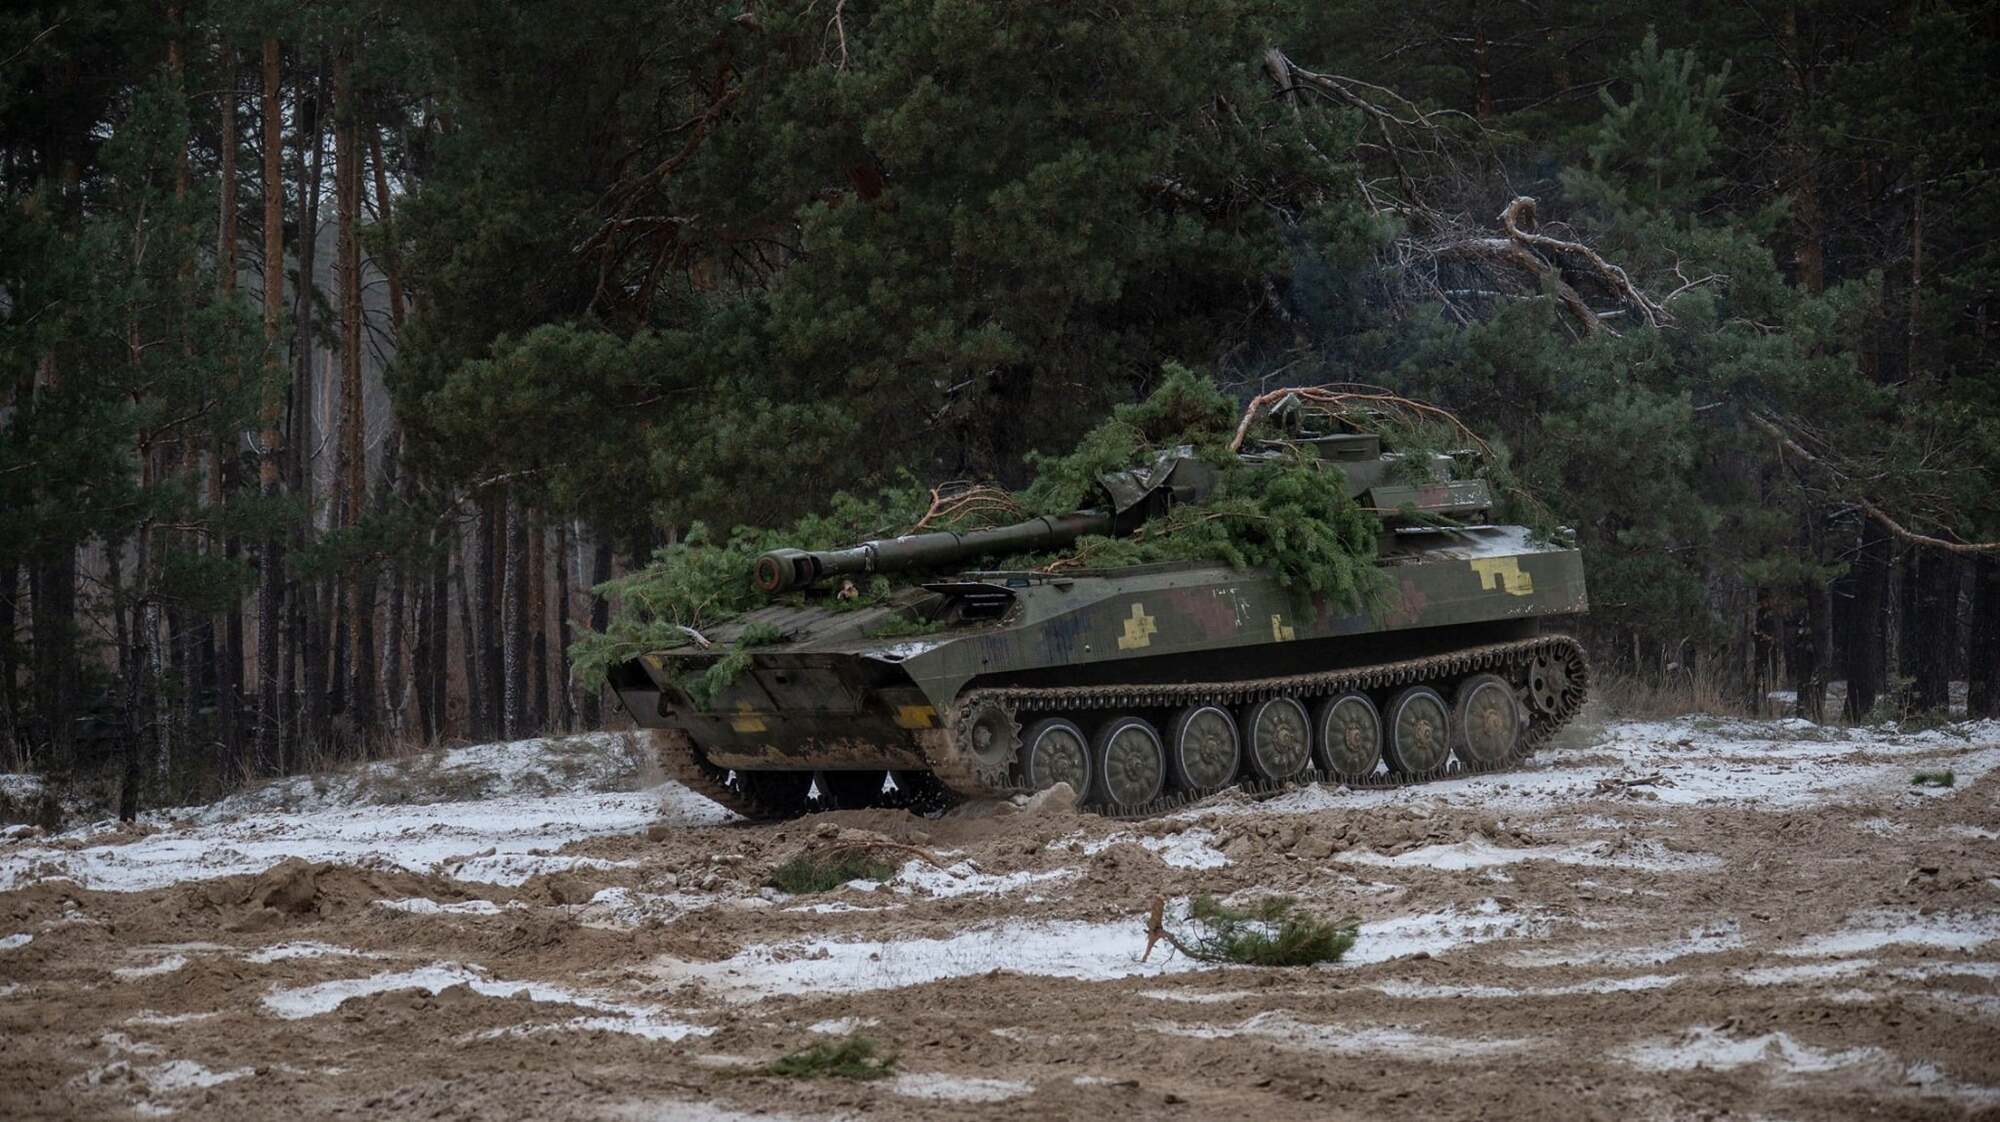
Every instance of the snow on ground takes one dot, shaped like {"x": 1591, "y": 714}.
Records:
{"x": 1871, "y": 931}
{"x": 320, "y": 998}
{"x": 441, "y": 816}
{"x": 1776, "y": 765}
{"x": 1478, "y": 852}
{"x": 1287, "y": 1031}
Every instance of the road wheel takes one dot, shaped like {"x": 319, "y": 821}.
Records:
{"x": 1486, "y": 721}
{"x": 1204, "y": 751}
{"x": 849, "y": 790}
{"x": 1349, "y": 744}
{"x": 1278, "y": 738}
{"x": 1129, "y": 762}
{"x": 1056, "y": 751}
{"x": 1419, "y": 728}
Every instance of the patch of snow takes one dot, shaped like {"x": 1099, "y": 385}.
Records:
{"x": 834, "y": 907}
{"x": 1703, "y": 1047}
{"x": 958, "y": 1088}
{"x": 965, "y": 879}
{"x": 426, "y": 907}
{"x": 149, "y": 1017}
{"x": 186, "y": 1075}
{"x": 1290, "y": 1032}
{"x": 511, "y": 869}
{"x": 1870, "y": 931}
{"x": 325, "y": 997}
{"x": 1189, "y": 849}
{"x": 1807, "y": 972}
{"x": 1477, "y": 852}
{"x": 843, "y": 1026}
{"x": 1711, "y": 939}
{"x": 166, "y": 965}
{"x": 1087, "y": 951}
{"x": 1197, "y": 997}
{"x": 305, "y": 948}
{"x": 16, "y": 941}
{"x": 1594, "y": 986}
{"x": 428, "y": 838}
{"x": 1976, "y": 833}
{"x": 1435, "y": 932}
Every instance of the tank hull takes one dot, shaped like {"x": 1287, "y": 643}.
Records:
{"x": 829, "y": 697}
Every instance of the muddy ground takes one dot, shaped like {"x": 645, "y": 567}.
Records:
{"x": 1681, "y": 919}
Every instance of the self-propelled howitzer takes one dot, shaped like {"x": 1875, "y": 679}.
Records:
{"x": 1139, "y": 686}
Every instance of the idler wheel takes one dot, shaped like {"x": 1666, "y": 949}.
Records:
{"x": 1056, "y": 751}
{"x": 1279, "y": 738}
{"x": 849, "y": 790}
{"x": 1349, "y": 744}
{"x": 1419, "y": 727}
{"x": 1486, "y": 720}
{"x": 1204, "y": 751}
{"x": 1130, "y": 763}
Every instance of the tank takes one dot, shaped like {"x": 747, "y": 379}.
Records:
{"x": 1140, "y": 687}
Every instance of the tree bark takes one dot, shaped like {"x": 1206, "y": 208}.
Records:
{"x": 1936, "y": 629}
{"x": 514, "y": 605}
{"x": 538, "y": 630}
{"x": 567, "y": 714}
{"x": 270, "y": 558}
{"x": 600, "y": 620}
{"x": 311, "y": 614}
{"x": 385, "y": 214}
{"x": 440, "y": 647}
{"x": 1862, "y": 661}
{"x": 351, "y": 462}
{"x": 490, "y": 678}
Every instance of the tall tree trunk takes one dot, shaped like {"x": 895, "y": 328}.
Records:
{"x": 477, "y": 710}
{"x": 270, "y": 556}
{"x": 12, "y": 747}
{"x": 1936, "y": 625}
{"x": 1862, "y": 661}
{"x": 1982, "y": 687}
{"x": 385, "y": 214}
{"x": 312, "y": 616}
{"x": 351, "y": 461}
{"x": 392, "y": 637}
{"x": 485, "y": 611}
{"x": 440, "y": 649}
{"x": 223, "y": 475}
{"x": 514, "y": 605}
{"x": 600, "y": 620}
{"x": 538, "y": 631}
{"x": 567, "y": 704}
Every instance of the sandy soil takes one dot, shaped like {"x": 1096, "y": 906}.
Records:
{"x": 1777, "y": 926}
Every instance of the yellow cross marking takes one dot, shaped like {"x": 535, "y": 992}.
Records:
{"x": 1503, "y": 574}
{"x": 1280, "y": 630}
{"x": 745, "y": 720}
{"x": 1138, "y": 630}
{"x": 915, "y": 716}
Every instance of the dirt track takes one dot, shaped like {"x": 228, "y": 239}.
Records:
{"x": 1780, "y": 927}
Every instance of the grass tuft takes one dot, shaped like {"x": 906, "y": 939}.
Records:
{"x": 809, "y": 873}
{"x": 1271, "y": 932}
{"x": 850, "y": 1057}
{"x": 1933, "y": 779}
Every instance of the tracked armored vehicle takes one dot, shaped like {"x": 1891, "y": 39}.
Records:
{"x": 1140, "y": 686}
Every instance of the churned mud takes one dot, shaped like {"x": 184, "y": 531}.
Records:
{"x": 1672, "y": 919}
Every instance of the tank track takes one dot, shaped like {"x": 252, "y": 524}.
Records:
{"x": 685, "y": 764}
{"x": 963, "y": 774}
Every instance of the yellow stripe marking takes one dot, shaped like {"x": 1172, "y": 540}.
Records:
{"x": 1503, "y": 574}
{"x": 1139, "y": 630}
{"x": 745, "y": 720}
{"x": 915, "y": 716}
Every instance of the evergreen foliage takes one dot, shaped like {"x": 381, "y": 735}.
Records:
{"x": 1272, "y": 932}
{"x": 849, "y": 1057}
{"x": 808, "y": 873}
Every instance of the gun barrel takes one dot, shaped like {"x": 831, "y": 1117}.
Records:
{"x": 782, "y": 569}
